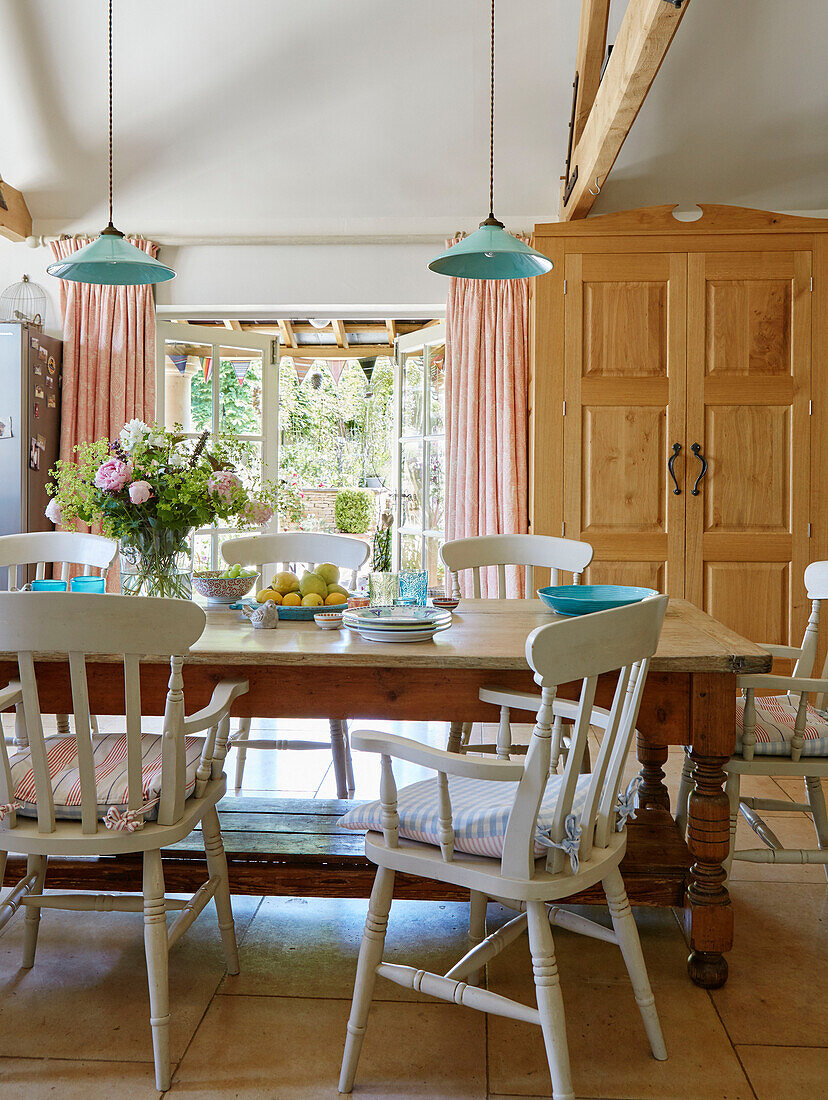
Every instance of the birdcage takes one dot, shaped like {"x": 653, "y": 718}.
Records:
{"x": 24, "y": 302}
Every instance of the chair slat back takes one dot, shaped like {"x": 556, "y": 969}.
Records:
{"x": 620, "y": 641}
{"x": 81, "y": 626}
{"x": 288, "y": 548}
{"x": 60, "y": 549}
{"x": 529, "y": 552}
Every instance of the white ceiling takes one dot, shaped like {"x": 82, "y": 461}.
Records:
{"x": 320, "y": 118}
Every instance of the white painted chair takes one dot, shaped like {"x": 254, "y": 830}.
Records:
{"x": 779, "y": 735}
{"x": 62, "y": 550}
{"x": 529, "y": 552}
{"x": 287, "y": 550}
{"x": 65, "y": 797}
{"x": 509, "y": 831}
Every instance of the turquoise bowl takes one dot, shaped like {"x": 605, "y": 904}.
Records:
{"x": 581, "y": 599}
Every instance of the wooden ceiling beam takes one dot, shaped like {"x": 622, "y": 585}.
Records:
{"x": 286, "y": 332}
{"x": 15, "y": 219}
{"x": 358, "y": 351}
{"x": 391, "y": 329}
{"x": 644, "y": 36}
{"x": 340, "y": 334}
{"x": 592, "y": 47}
{"x": 235, "y": 326}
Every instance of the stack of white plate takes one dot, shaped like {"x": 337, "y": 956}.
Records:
{"x": 396, "y": 624}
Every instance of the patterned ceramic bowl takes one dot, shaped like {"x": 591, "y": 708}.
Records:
{"x": 447, "y": 603}
{"x": 222, "y": 590}
{"x": 328, "y": 620}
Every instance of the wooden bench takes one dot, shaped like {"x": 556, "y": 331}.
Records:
{"x": 290, "y": 846}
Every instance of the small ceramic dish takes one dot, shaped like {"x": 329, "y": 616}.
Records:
{"x": 328, "y": 620}
{"x": 446, "y": 603}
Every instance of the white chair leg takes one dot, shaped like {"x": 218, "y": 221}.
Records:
{"x": 241, "y": 752}
{"x": 455, "y": 737}
{"x": 683, "y": 800}
{"x": 370, "y": 956}
{"x": 217, "y": 866}
{"x": 816, "y": 800}
{"x": 62, "y": 723}
{"x": 478, "y": 904}
{"x": 349, "y": 762}
{"x": 93, "y": 723}
{"x": 338, "y": 752}
{"x": 732, "y": 788}
{"x": 624, "y": 924}
{"x": 31, "y": 921}
{"x": 157, "y": 952}
{"x": 550, "y": 1000}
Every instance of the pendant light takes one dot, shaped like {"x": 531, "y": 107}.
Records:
{"x": 111, "y": 260}
{"x": 491, "y": 252}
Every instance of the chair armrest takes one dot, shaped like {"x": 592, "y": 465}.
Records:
{"x": 11, "y": 695}
{"x": 404, "y": 748}
{"x": 787, "y": 651}
{"x": 766, "y": 681}
{"x": 224, "y": 694}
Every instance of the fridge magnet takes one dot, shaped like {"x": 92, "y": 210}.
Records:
{"x": 41, "y": 442}
{"x": 33, "y": 342}
{"x": 37, "y": 411}
{"x": 51, "y": 365}
{"x": 6, "y": 427}
{"x": 42, "y": 354}
{"x": 37, "y": 369}
{"x": 39, "y": 392}
{"x": 50, "y": 401}
{"x": 49, "y": 380}
{"x": 34, "y": 455}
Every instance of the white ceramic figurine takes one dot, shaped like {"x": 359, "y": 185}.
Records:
{"x": 264, "y": 617}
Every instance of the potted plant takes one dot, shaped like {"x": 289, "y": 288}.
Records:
{"x": 149, "y": 489}
{"x": 353, "y": 509}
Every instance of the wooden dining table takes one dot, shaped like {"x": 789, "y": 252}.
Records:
{"x": 298, "y": 670}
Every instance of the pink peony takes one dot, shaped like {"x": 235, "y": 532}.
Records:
{"x": 113, "y": 475}
{"x": 140, "y": 492}
{"x": 224, "y": 484}
{"x": 53, "y": 512}
{"x": 258, "y": 512}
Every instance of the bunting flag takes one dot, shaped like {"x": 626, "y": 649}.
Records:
{"x": 180, "y": 362}
{"x": 336, "y": 367}
{"x": 240, "y": 368}
{"x": 207, "y": 364}
{"x": 302, "y": 366}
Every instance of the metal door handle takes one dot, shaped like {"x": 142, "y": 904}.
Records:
{"x": 696, "y": 449}
{"x": 671, "y": 463}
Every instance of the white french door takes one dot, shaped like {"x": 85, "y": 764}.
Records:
{"x": 421, "y": 451}
{"x": 223, "y": 381}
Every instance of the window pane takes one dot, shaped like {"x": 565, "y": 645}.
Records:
{"x": 435, "y": 505}
{"x": 203, "y": 551}
{"x": 188, "y": 397}
{"x": 433, "y": 563}
{"x": 412, "y": 393}
{"x": 436, "y": 389}
{"x": 412, "y": 485}
{"x": 410, "y": 552}
{"x": 240, "y": 392}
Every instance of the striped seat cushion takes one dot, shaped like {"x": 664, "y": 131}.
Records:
{"x": 110, "y": 755}
{"x": 775, "y": 718}
{"x": 480, "y": 812}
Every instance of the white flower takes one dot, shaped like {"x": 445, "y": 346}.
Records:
{"x": 156, "y": 439}
{"x": 177, "y": 460}
{"x": 133, "y": 432}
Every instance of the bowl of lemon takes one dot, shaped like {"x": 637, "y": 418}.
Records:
{"x": 224, "y": 586}
{"x": 301, "y": 597}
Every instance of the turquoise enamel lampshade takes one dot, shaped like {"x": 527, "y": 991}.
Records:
{"x": 491, "y": 253}
{"x": 110, "y": 260}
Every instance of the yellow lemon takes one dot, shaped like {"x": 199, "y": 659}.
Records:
{"x": 336, "y": 598}
{"x": 265, "y": 594}
{"x": 292, "y": 599}
{"x": 312, "y": 600}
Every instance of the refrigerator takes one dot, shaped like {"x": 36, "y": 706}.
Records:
{"x": 30, "y": 381}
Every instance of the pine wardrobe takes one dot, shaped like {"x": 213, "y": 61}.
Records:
{"x": 678, "y": 390}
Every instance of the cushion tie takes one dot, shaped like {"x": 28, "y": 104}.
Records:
{"x": 127, "y": 821}
{"x": 570, "y": 843}
{"x": 624, "y": 806}
{"x": 7, "y": 808}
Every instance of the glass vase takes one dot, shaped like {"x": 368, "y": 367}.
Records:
{"x": 157, "y": 562}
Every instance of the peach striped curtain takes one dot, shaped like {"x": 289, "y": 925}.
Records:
{"x": 487, "y": 378}
{"x": 108, "y": 354}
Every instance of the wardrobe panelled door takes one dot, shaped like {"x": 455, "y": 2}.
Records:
{"x": 684, "y": 357}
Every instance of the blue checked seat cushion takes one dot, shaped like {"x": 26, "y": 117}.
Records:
{"x": 110, "y": 755}
{"x": 480, "y": 812}
{"x": 775, "y": 718}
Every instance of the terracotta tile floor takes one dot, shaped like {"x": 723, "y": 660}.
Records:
{"x": 76, "y": 1026}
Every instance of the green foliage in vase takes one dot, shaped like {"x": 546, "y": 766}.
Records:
{"x": 381, "y": 559}
{"x": 352, "y": 510}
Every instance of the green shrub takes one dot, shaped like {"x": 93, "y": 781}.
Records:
{"x": 353, "y": 511}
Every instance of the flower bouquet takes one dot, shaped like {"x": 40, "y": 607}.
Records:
{"x": 149, "y": 489}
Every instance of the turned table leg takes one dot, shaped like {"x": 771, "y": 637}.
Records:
{"x": 652, "y": 791}
{"x": 708, "y": 912}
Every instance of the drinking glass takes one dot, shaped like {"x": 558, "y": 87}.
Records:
{"x": 383, "y": 588}
{"x": 414, "y": 583}
{"x": 48, "y": 586}
{"x": 87, "y": 584}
